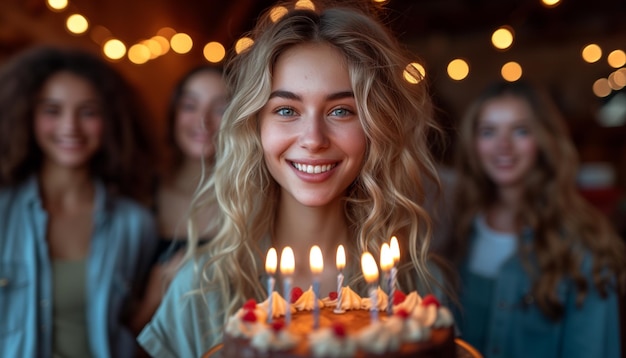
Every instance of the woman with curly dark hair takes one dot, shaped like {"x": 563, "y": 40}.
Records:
{"x": 73, "y": 245}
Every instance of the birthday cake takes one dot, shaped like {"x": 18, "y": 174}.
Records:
{"x": 411, "y": 326}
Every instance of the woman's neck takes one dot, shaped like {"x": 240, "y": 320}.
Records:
{"x": 187, "y": 177}
{"x": 502, "y": 214}
{"x": 64, "y": 190}
{"x": 301, "y": 227}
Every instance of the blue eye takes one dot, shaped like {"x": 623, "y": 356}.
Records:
{"x": 341, "y": 112}
{"x": 522, "y": 131}
{"x": 485, "y": 132}
{"x": 285, "y": 111}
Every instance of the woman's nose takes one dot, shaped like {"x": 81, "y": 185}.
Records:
{"x": 314, "y": 134}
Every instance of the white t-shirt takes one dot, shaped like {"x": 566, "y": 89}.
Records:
{"x": 490, "y": 249}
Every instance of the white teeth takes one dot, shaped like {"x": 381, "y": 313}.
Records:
{"x": 313, "y": 169}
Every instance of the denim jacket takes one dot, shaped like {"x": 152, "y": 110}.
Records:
{"x": 511, "y": 324}
{"x": 123, "y": 239}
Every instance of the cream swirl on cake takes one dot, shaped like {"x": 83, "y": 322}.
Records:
{"x": 431, "y": 314}
{"x": 381, "y": 301}
{"x": 279, "y": 305}
{"x": 306, "y": 301}
{"x": 350, "y": 300}
{"x": 273, "y": 338}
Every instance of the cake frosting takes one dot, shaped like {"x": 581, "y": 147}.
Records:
{"x": 416, "y": 325}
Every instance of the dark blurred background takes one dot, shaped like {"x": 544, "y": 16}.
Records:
{"x": 548, "y": 41}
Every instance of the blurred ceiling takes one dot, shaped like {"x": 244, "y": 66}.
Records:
{"x": 547, "y": 43}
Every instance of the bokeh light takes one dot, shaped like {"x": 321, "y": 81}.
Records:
{"x": 214, "y": 52}
{"x": 601, "y": 87}
{"x": 502, "y": 38}
{"x": 114, "y": 49}
{"x": 511, "y": 71}
{"x": 414, "y": 73}
{"x": 77, "y": 24}
{"x": 616, "y": 59}
{"x": 181, "y": 43}
{"x": 139, "y": 54}
{"x": 458, "y": 69}
{"x": 56, "y": 5}
{"x": 277, "y": 12}
{"x": 243, "y": 44}
{"x": 305, "y": 4}
{"x": 592, "y": 53}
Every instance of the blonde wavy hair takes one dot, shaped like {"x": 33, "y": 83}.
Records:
{"x": 564, "y": 226}
{"x": 385, "y": 199}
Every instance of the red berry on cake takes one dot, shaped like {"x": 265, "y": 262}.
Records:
{"x": 339, "y": 330}
{"x": 249, "y": 305}
{"x": 398, "y": 297}
{"x": 430, "y": 300}
{"x": 333, "y": 295}
{"x": 249, "y": 316}
{"x": 296, "y": 292}
{"x": 277, "y": 326}
{"x": 402, "y": 313}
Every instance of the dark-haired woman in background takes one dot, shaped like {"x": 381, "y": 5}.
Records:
{"x": 74, "y": 245}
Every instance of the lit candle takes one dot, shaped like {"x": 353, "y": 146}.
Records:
{"x": 394, "y": 247}
{"x": 386, "y": 264}
{"x": 370, "y": 272}
{"x": 341, "y": 263}
{"x": 287, "y": 264}
{"x": 316, "y": 262}
{"x": 270, "y": 267}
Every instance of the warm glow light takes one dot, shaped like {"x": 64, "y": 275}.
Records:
{"x": 243, "y": 44}
{"x": 601, "y": 87}
{"x": 395, "y": 249}
{"x": 56, "y": 5}
{"x": 502, "y": 38}
{"x": 316, "y": 261}
{"x": 414, "y": 73}
{"x": 153, "y": 46}
{"x": 613, "y": 83}
{"x": 386, "y": 260}
{"x": 138, "y": 54}
{"x": 214, "y": 52}
{"x": 114, "y": 49}
{"x": 287, "y": 262}
{"x": 77, "y": 24}
{"x": 305, "y": 4}
{"x": 165, "y": 45}
{"x": 166, "y": 32}
{"x": 277, "y": 12}
{"x": 271, "y": 261}
{"x": 368, "y": 265}
{"x": 592, "y": 53}
{"x": 511, "y": 71}
{"x": 458, "y": 69}
{"x": 620, "y": 77}
{"x": 341, "y": 258}
{"x": 550, "y": 3}
{"x": 181, "y": 43}
{"x": 616, "y": 59}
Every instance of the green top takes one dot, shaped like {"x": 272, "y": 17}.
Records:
{"x": 69, "y": 299}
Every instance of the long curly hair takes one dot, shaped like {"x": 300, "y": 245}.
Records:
{"x": 564, "y": 225}
{"x": 125, "y": 145}
{"x": 386, "y": 198}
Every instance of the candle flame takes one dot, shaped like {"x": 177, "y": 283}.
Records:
{"x": 271, "y": 261}
{"x": 386, "y": 260}
{"x": 316, "y": 260}
{"x": 287, "y": 262}
{"x": 368, "y": 265}
{"x": 341, "y": 258}
{"x": 395, "y": 249}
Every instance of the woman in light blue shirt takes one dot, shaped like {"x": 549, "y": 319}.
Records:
{"x": 540, "y": 268}
{"x": 73, "y": 247}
